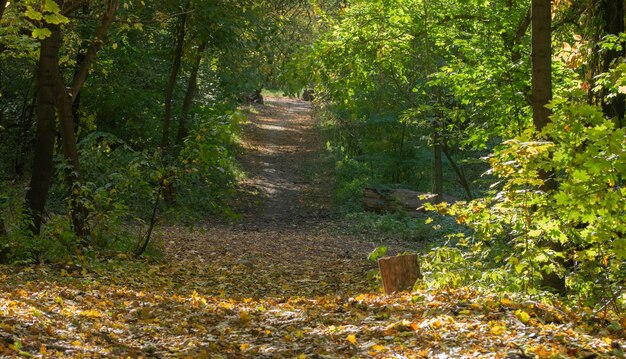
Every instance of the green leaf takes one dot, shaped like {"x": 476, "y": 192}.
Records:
{"x": 56, "y": 19}
{"x": 41, "y": 33}
{"x": 562, "y": 198}
{"x": 377, "y": 253}
{"x": 580, "y": 176}
{"x": 33, "y": 14}
{"x": 52, "y": 6}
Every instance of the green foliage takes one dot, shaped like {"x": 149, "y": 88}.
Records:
{"x": 377, "y": 253}
{"x": 576, "y": 229}
{"x": 352, "y": 177}
{"x": 447, "y": 267}
{"x": 57, "y": 241}
{"x": 423, "y": 230}
{"x": 207, "y": 170}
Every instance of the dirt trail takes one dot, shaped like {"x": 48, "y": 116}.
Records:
{"x": 285, "y": 243}
{"x": 282, "y": 156}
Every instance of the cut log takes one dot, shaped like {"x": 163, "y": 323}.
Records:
{"x": 398, "y": 200}
{"x": 399, "y": 273}
{"x": 308, "y": 95}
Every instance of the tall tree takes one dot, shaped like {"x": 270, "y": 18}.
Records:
{"x": 192, "y": 84}
{"x": 168, "y": 187}
{"x": 41, "y": 177}
{"x": 171, "y": 83}
{"x": 541, "y": 62}
{"x": 541, "y": 87}
{"x": 56, "y": 95}
{"x": 613, "y": 18}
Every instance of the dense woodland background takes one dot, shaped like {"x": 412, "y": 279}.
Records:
{"x": 118, "y": 113}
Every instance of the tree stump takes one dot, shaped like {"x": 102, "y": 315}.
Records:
{"x": 399, "y": 273}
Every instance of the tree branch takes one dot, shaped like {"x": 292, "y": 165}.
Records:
{"x": 81, "y": 75}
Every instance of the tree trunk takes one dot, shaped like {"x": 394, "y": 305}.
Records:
{"x": 459, "y": 173}
{"x": 183, "y": 126}
{"x": 522, "y": 27}
{"x": 70, "y": 152}
{"x": 169, "y": 190}
{"x": 438, "y": 165}
{"x": 541, "y": 65}
{"x": 67, "y": 102}
{"x": 51, "y": 91}
{"x": 24, "y": 125}
{"x": 171, "y": 83}
{"x": 541, "y": 62}
{"x": 3, "y": 5}
{"x": 43, "y": 168}
{"x": 613, "y": 16}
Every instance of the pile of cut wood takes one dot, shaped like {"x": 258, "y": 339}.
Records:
{"x": 399, "y": 200}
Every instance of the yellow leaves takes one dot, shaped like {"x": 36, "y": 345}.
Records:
{"x": 244, "y": 317}
{"x": 543, "y": 351}
{"x": 497, "y": 328}
{"x": 522, "y": 316}
{"x": 376, "y": 349}
{"x": 409, "y": 328}
{"x": 506, "y": 302}
{"x": 225, "y": 305}
{"x": 90, "y": 313}
{"x": 197, "y": 300}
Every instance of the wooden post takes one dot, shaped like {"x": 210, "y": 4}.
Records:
{"x": 399, "y": 273}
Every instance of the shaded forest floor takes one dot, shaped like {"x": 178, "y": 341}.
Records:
{"x": 282, "y": 282}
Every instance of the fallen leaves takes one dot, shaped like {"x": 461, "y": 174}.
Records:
{"x": 273, "y": 292}
{"x": 56, "y": 316}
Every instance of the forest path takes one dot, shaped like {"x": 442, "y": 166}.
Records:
{"x": 286, "y": 241}
{"x": 283, "y": 153}
{"x": 282, "y": 283}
